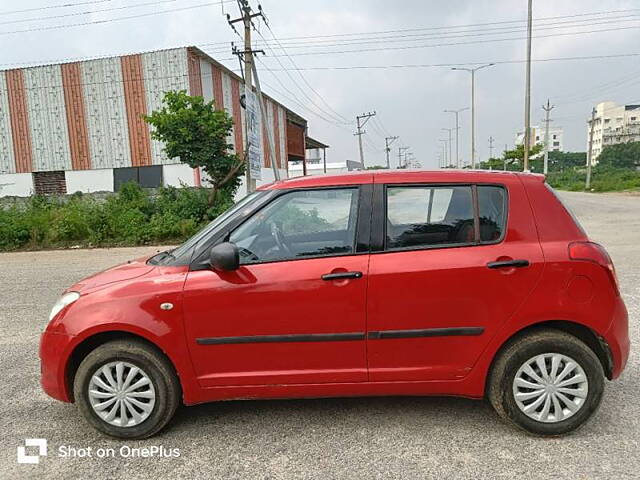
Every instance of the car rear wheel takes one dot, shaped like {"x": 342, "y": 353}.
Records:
{"x": 547, "y": 382}
{"x": 126, "y": 389}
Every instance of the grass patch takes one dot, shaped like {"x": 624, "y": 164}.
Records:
{"x": 130, "y": 217}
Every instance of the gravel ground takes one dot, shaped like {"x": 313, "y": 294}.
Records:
{"x": 337, "y": 438}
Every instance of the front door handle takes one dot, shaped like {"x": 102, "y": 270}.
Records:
{"x": 341, "y": 275}
{"x": 509, "y": 264}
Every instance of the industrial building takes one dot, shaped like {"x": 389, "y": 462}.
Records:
{"x": 78, "y": 126}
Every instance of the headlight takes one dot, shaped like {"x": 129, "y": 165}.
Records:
{"x": 66, "y": 299}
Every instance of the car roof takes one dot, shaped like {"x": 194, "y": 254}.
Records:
{"x": 397, "y": 176}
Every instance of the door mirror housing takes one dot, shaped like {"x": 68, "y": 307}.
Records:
{"x": 225, "y": 257}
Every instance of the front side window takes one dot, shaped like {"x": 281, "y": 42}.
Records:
{"x": 428, "y": 216}
{"x": 300, "y": 224}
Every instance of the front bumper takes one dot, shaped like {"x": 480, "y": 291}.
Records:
{"x": 54, "y": 352}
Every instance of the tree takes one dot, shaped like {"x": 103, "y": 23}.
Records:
{"x": 559, "y": 161}
{"x": 196, "y": 133}
{"x": 622, "y": 155}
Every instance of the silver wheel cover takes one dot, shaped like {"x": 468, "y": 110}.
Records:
{"x": 550, "y": 387}
{"x": 121, "y": 394}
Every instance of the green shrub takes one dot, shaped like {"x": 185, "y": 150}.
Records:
{"x": 133, "y": 216}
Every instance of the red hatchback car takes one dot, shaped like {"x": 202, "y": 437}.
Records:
{"x": 478, "y": 284}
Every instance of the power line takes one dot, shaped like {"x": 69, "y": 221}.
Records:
{"x": 446, "y": 65}
{"x": 319, "y": 115}
{"x": 450, "y": 27}
{"x": 98, "y": 22}
{"x": 432, "y": 36}
{"x": 475, "y": 42}
{"x": 303, "y": 77}
{"x": 336, "y": 116}
{"x": 87, "y": 12}
{"x": 50, "y": 7}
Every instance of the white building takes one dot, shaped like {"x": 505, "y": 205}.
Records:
{"x": 613, "y": 124}
{"x": 556, "y": 138}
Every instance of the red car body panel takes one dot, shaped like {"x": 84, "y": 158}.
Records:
{"x": 407, "y": 290}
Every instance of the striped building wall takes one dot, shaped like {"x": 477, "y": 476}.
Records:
{"x": 88, "y": 115}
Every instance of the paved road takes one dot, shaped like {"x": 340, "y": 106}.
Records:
{"x": 339, "y": 438}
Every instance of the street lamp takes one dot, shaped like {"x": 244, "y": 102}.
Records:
{"x": 456, "y": 112}
{"x": 473, "y": 107}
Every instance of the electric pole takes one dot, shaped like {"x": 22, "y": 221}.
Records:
{"x": 364, "y": 118}
{"x": 457, "y": 129}
{"x": 490, "y": 148}
{"x": 591, "y": 127}
{"x": 450, "y": 158}
{"x": 547, "y": 108}
{"x": 473, "y": 107}
{"x": 506, "y": 149}
{"x": 388, "y": 141}
{"x": 400, "y": 151}
{"x": 247, "y": 56}
{"x": 527, "y": 95}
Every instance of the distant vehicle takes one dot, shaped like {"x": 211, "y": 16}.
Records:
{"x": 477, "y": 284}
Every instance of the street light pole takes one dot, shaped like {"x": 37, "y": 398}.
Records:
{"x": 473, "y": 107}
{"x": 527, "y": 94}
{"x": 450, "y": 159}
{"x": 456, "y": 112}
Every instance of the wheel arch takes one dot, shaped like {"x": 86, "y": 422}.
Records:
{"x": 583, "y": 333}
{"x": 95, "y": 340}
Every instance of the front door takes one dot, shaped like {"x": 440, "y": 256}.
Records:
{"x": 295, "y": 310}
{"x": 436, "y": 294}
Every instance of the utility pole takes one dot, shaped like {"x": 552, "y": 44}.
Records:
{"x": 388, "y": 141}
{"x": 547, "y": 108}
{"x": 364, "y": 118}
{"x": 506, "y": 148}
{"x": 473, "y": 108}
{"x": 450, "y": 158}
{"x": 591, "y": 127}
{"x": 490, "y": 148}
{"x": 247, "y": 56}
{"x": 400, "y": 151}
{"x": 456, "y": 112}
{"x": 527, "y": 95}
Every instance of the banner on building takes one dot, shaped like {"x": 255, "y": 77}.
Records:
{"x": 254, "y": 130}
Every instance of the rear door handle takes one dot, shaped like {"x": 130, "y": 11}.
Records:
{"x": 341, "y": 275}
{"x": 509, "y": 264}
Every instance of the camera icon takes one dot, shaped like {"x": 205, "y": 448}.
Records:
{"x": 41, "y": 443}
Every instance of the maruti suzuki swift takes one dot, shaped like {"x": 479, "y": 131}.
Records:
{"x": 476, "y": 284}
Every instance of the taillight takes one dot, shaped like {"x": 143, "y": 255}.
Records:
{"x": 593, "y": 252}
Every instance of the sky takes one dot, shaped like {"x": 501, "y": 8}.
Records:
{"x": 308, "y": 70}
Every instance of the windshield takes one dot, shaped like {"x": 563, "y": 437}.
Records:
{"x": 187, "y": 247}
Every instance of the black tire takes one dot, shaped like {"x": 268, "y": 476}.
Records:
{"x": 156, "y": 367}
{"x": 516, "y": 353}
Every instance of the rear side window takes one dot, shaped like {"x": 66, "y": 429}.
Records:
{"x": 491, "y": 212}
{"x": 428, "y": 216}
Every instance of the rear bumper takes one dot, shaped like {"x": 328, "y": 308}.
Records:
{"x": 54, "y": 349}
{"x": 617, "y": 337}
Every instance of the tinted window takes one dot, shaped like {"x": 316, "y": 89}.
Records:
{"x": 491, "y": 205}
{"x": 300, "y": 224}
{"x": 425, "y": 216}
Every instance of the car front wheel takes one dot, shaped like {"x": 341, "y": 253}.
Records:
{"x": 126, "y": 389}
{"x": 547, "y": 382}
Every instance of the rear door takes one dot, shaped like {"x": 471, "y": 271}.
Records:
{"x": 453, "y": 263}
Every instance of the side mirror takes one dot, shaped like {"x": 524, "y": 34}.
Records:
{"x": 225, "y": 257}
